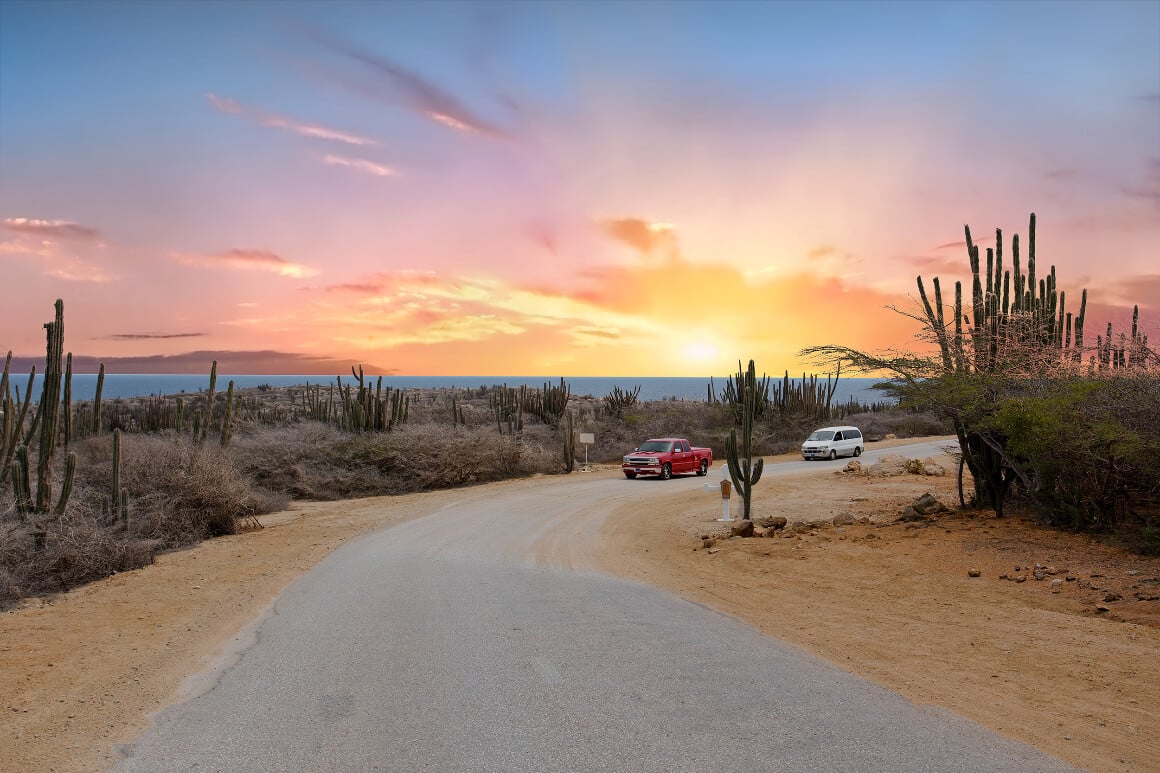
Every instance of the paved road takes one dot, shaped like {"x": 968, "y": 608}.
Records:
{"x": 469, "y": 641}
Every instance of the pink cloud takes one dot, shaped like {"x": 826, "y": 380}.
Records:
{"x": 60, "y": 229}
{"x": 271, "y": 120}
{"x": 360, "y": 164}
{"x": 248, "y": 260}
{"x": 379, "y": 78}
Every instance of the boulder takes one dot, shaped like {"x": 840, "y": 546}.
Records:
{"x": 776, "y": 523}
{"x": 927, "y": 504}
{"x": 742, "y": 529}
{"x": 853, "y": 466}
{"x": 843, "y": 519}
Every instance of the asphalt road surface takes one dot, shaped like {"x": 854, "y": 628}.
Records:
{"x": 476, "y": 640}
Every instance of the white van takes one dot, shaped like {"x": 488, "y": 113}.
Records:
{"x": 832, "y": 442}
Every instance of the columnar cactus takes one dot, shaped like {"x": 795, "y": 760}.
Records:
{"x": 97, "y": 400}
{"x": 743, "y": 470}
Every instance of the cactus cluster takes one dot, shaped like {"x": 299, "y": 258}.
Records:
{"x": 361, "y": 409}
{"x": 549, "y": 404}
{"x": 507, "y": 405}
{"x": 616, "y": 401}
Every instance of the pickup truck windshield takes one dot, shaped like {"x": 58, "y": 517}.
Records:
{"x": 656, "y": 445}
{"x": 821, "y": 435}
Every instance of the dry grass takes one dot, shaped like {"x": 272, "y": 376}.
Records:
{"x": 181, "y": 493}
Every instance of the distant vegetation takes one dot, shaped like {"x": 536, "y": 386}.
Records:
{"x": 94, "y": 487}
{"x": 1046, "y": 418}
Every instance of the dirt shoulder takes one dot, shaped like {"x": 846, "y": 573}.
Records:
{"x": 82, "y": 671}
{"x": 1065, "y": 663}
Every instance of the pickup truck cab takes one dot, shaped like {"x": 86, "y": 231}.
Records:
{"x": 666, "y": 457}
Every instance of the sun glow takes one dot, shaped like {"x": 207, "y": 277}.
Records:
{"x": 700, "y": 351}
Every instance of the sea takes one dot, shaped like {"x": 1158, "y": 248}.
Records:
{"x": 651, "y": 388}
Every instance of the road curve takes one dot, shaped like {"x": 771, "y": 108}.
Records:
{"x": 476, "y": 639}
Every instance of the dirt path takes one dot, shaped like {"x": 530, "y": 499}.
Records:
{"x": 80, "y": 672}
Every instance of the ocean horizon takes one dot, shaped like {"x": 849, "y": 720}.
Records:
{"x": 652, "y": 388}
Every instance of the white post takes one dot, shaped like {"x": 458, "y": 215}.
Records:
{"x": 726, "y": 483}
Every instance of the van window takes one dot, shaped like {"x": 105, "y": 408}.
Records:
{"x": 854, "y": 434}
{"x": 837, "y": 436}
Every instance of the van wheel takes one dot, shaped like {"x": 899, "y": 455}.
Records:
{"x": 704, "y": 468}
{"x": 630, "y": 475}
{"x": 833, "y": 454}
{"x": 666, "y": 471}
{"x": 857, "y": 450}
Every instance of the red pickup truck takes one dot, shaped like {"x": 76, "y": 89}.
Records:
{"x": 667, "y": 457}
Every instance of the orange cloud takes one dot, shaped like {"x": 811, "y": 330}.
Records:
{"x": 642, "y": 235}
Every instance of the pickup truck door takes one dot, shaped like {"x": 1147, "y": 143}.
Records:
{"x": 684, "y": 457}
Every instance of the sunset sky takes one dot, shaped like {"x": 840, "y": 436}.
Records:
{"x": 559, "y": 188}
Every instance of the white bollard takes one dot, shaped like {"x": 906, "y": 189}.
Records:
{"x": 726, "y": 483}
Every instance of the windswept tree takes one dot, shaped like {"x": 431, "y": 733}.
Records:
{"x": 1015, "y": 338}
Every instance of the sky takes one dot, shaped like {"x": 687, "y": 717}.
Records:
{"x": 557, "y": 188}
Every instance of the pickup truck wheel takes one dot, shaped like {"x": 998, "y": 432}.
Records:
{"x": 630, "y": 475}
{"x": 857, "y": 450}
{"x": 666, "y": 471}
{"x": 704, "y": 468}
{"x": 833, "y": 454}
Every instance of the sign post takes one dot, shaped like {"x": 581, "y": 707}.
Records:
{"x": 586, "y": 438}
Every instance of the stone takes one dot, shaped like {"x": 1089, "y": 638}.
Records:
{"x": 708, "y": 542}
{"x": 974, "y": 573}
{"x": 843, "y": 519}
{"x": 1056, "y": 582}
{"x": 909, "y": 513}
{"x": 853, "y": 466}
{"x": 742, "y": 529}
{"x": 928, "y": 504}
{"x": 776, "y": 523}
{"x": 1112, "y": 596}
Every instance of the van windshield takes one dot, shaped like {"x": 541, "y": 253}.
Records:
{"x": 822, "y": 434}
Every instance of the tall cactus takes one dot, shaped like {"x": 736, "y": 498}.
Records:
{"x": 570, "y": 445}
{"x": 228, "y": 419}
{"x": 48, "y": 414}
{"x": 744, "y": 472}
{"x": 97, "y": 400}
{"x": 200, "y": 431}
{"x": 15, "y": 413}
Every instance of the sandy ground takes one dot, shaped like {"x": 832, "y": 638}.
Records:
{"x": 1051, "y": 664}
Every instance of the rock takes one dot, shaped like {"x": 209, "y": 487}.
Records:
{"x": 853, "y": 466}
{"x": 887, "y": 467}
{"x": 1112, "y": 596}
{"x": 1021, "y": 578}
{"x": 927, "y": 504}
{"x": 931, "y": 467}
{"x": 776, "y": 523}
{"x": 871, "y": 536}
{"x": 714, "y": 550}
{"x": 974, "y": 573}
{"x": 742, "y": 529}
{"x": 1056, "y": 582}
{"x": 708, "y": 542}
{"x": 843, "y": 519}
{"x": 910, "y": 514}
